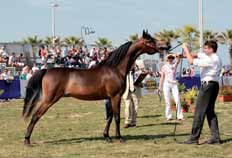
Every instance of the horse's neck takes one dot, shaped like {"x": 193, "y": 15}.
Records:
{"x": 125, "y": 66}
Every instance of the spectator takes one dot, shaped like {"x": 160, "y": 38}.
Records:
{"x": 12, "y": 59}
{"x": 44, "y": 66}
{"x": 3, "y": 52}
{"x": 29, "y": 74}
{"x": 4, "y": 75}
{"x": 64, "y": 52}
{"x": 25, "y": 70}
{"x": 93, "y": 52}
{"x": 192, "y": 71}
{"x": 131, "y": 97}
{"x": 35, "y": 68}
{"x": 43, "y": 52}
{"x": 20, "y": 60}
{"x": 168, "y": 84}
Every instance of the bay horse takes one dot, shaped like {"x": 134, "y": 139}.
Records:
{"x": 107, "y": 80}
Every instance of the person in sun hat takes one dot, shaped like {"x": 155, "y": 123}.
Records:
{"x": 168, "y": 84}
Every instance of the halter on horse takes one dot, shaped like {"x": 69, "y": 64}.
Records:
{"x": 105, "y": 81}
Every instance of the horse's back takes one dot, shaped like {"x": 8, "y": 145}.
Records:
{"x": 86, "y": 84}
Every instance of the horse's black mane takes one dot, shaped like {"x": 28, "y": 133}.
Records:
{"x": 116, "y": 56}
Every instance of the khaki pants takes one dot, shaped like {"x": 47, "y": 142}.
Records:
{"x": 131, "y": 107}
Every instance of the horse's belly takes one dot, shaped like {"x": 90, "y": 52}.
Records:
{"x": 86, "y": 93}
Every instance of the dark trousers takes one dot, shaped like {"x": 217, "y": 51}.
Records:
{"x": 205, "y": 107}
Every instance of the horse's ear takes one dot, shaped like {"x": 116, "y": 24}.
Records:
{"x": 147, "y": 31}
{"x": 144, "y": 34}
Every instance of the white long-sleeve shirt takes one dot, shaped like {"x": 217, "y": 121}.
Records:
{"x": 210, "y": 66}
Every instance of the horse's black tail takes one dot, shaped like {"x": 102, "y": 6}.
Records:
{"x": 33, "y": 91}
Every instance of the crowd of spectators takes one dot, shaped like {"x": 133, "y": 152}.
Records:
{"x": 49, "y": 57}
{"x": 72, "y": 57}
{"x": 188, "y": 72}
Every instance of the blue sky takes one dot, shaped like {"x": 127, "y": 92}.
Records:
{"x": 113, "y": 19}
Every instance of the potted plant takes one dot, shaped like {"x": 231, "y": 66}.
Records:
{"x": 185, "y": 106}
{"x": 225, "y": 94}
{"x": 173, "y": 105}
{"x": 190, "y": 95}
{"x": 181, "y": 87}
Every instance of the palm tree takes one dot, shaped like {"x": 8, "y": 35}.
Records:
{"x": 103, "y": 42}
{"x": 56, "y": 41}
{"x": 73, "y": 41}
{"x": 165, "y": 38}
{"x": 134, "y": 37}
{"x": 34, "y": 41}
{"x": 189, "y": 34}
{"x": 210, "y": 35}
{"x": 48, "y": 41}
{"x": 226, "y": 38}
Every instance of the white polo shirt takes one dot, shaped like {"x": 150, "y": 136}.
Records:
{"x": 210, "y": 66}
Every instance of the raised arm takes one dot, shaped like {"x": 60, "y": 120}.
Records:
{"x": 187, "y": 53}
{"x": 178, "y": 59}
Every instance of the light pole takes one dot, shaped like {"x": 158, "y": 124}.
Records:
{"x": 53, "y": 20}
{"x": 87, "y": 31}
{"x": 201, "y": 23}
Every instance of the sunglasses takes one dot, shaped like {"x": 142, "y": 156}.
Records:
{"x": 171, "y": 57}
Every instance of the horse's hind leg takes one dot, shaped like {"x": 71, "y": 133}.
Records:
{"x": 44, "y": 106}
{"x": 116, "y": 101}
{"x": 35, "y": 117}
{"x": 109, "y": 117}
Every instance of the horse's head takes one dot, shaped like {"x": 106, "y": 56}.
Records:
{"x": 163, "y": 46}
{"x": 151, "y": 45}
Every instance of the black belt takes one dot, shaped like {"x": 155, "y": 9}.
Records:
{"x": 207, "y": 82}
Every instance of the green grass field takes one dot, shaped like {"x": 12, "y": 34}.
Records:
{"x": 73, "y": 128}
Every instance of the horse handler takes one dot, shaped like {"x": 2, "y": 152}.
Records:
{"x": 210, "y": 66}
{"x": 131, "y": 98}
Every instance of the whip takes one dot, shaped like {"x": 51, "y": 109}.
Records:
{"x": 175, "y": 126}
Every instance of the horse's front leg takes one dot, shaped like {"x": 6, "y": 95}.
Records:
{"x": 109, "y": 117}
{"x": 116, "y": 105}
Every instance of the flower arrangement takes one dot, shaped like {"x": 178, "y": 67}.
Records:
{"x": 190, "y": 95}
{"x": 185, "y": 105}
{"x": 225, "y": 90}
{"x": 225, "y": 94}
{"x": 181, "y": 87}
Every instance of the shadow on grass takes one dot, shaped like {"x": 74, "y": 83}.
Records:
{"x": 149, "y": 116}
{"x": 126, "y": 137}
{"x": 227, "y": 140}
{"x": 164, "y": 123}
{"x": 191, "y": 116}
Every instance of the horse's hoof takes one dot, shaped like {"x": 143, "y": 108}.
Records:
{"x": 27, "y": 143}
{"x": 105, "y": 135}
{"x": 121, "y": 140}
{"x": 109, "y": 140}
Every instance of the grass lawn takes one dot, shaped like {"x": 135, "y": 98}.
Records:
{"x": 73, "y": 128}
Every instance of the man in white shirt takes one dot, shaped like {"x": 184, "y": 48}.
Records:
{"x": 210, "y": 66}
{"x": 131, "y": 98}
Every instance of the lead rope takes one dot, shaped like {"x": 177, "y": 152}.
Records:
{"x": 175, "y": 126}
